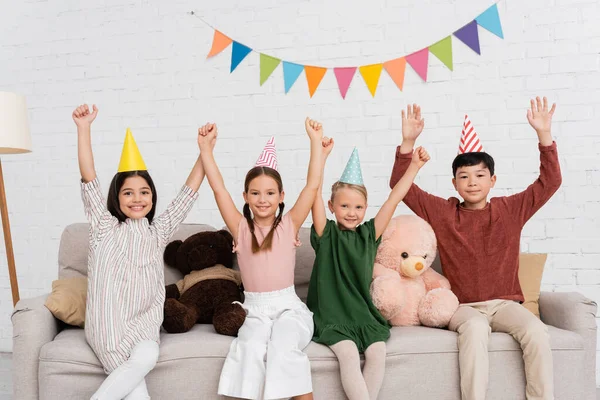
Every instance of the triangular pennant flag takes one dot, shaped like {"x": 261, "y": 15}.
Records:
{"x": 238, "y": 53}
{"x": 291, "y": 72}
{"x": 131, "y": 159}
{"x": 314, "y": 75}
{"x": 220, "y": 43}
{"x": 469, "y": 140}
{"x": 419, "y": 60}
{"x": 469, "y": 35}
{"x": 352, "y": 173}
{"x": 395, "y": 69}
{"x": 490, "y": 20}
{"x": 268, "y": 157}
{"x": 443, "y": 51}
{"x": 267, "y": 66}
{"x": 371, "y": 74}
{"x": 344, "y": 77}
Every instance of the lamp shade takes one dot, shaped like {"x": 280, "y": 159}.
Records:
{"x": 14, "y": 124}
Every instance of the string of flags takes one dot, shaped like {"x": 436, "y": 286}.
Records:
{"x": 418, "y": 61}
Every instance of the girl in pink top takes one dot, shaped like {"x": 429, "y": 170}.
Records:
{"x": 278, "y": 324}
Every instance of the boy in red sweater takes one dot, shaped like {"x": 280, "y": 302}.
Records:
{"x": 478, "y": 243}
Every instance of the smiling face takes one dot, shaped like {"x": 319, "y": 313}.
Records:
{"x": 263, "y": 192}
{"x": 473, "y": 183}
{"x": 135, "y": 197}
{"x": 263, "y": 196}
{"x": 348, "y": 204}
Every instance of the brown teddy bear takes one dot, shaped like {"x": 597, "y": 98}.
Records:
{"x": 210, "y": 287}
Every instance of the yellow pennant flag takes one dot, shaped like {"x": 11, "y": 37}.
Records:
{"x": 371, "y": 74}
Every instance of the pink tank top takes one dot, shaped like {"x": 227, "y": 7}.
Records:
{"x": 271, "y": 270}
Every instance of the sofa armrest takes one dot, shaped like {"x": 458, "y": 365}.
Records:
{"x": 574, "y": 312}
{"x": 33, "y": 327}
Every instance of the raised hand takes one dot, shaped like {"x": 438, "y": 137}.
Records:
{"x": 327, "y": 144}
{"x": 207, "y": 136}
{"x": 539, "y": 117}
{"x": 420, "y": 157}
{"x": 83, "y": 117}
{"x": 412, "y": 123}
{"x": 314, "y": 129}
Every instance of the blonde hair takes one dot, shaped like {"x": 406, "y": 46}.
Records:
{"x": 342, "y": 185}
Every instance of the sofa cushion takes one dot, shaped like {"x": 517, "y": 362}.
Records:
{"x": 202, "y": 341}
{"x": 419, "y": 360}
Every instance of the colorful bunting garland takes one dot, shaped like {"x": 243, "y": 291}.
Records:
{"x": 419, "y": 60}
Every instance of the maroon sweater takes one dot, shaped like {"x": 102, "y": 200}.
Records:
{"x": 479, "y": 249}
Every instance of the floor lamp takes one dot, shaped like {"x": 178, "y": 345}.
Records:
{"x": 14, "y": 139}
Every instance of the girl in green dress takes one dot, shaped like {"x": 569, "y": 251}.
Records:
{"x": 344, "y": 315}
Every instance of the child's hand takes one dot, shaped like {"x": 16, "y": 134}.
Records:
{"x": 539, "y": 117}
{"x": 83, "y": 117}
{"x": 207, "y": 136}
{"x": 420, "y": 157}
{"x": 327, "y": 144}
{"x": 412, "y": 123}
{"x": 314, "y": 129}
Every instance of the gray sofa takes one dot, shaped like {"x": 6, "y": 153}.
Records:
{"x": 53, "y": 361}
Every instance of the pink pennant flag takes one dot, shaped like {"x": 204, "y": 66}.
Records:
{"x": 344, "y": 78}
{"x": 268, "y": 157}
{"x": 418, "y": 60}
{"x": 469, "y": 140}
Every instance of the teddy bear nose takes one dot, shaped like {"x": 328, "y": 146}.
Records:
{"x": 418, "y": 266}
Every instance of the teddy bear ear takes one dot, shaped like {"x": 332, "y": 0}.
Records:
{"x": 228, "y": 236}
{"x": 389, "y": 232}
{"x": 170, "y": 255}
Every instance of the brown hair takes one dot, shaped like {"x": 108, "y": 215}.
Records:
{"x": 112, "y": 201}
{"x": 342, "y": 185}
{"x": 250, "y": 176}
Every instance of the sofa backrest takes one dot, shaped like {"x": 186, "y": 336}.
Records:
{"x": 74, "y": 246}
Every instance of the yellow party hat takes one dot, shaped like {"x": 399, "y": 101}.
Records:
{"x": 131, "y": 159}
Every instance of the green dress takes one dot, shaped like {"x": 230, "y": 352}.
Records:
{"x": 339, "y": 290}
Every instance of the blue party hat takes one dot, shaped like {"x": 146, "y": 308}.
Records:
{"x": 352, "y": 173}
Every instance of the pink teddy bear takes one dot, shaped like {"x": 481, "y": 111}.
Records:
{"x": 405, "y": 289}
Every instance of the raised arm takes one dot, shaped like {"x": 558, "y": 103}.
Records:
{"x": 412, "y": 126}
{"x": 383, "y": 217}
{"x": 207, "y": 139}
{"x": 318, "y": 209}
{"x": 196, "y": 177}
{"x": 526, "y": 203}
{"x": 83, "y": 118}
{"x": 305, "y": 201}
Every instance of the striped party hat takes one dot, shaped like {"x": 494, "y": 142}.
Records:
{"x": 268, "y": 157}
{"x": 469, "y": 140}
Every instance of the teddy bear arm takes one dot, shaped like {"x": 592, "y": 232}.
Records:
{"x": 172, "y": 291}
{"x": 433, "y": 280}
{"x": 381, "y": 270}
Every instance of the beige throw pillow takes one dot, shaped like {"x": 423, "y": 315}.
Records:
{"x": 67, "y": 300}
{"x": 531, "y": 268}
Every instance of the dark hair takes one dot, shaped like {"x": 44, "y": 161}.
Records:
{"x": 474, "y": 158}
{"x": 250, "y": 176}
{"x": 112, "y": 202}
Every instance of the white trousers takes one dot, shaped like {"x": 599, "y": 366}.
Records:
{"x": 128, "y": 380}
{"x": 266, "y": 360}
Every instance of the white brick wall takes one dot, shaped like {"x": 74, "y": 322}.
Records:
{"x": 143, "y": 63}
